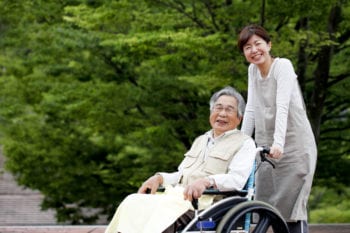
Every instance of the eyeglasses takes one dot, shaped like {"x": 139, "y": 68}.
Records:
{"x": 228, "y": 109}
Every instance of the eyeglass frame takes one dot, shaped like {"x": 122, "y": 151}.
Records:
{"x": 230, "y": 110}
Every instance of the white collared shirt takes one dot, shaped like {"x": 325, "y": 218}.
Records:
{"x": 239, "y": 168}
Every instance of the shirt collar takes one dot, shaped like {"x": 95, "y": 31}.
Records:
{"x": 210, "y": 134}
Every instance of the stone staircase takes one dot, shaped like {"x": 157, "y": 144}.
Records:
{"x": 18, "y": 205}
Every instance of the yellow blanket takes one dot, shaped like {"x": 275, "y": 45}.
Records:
{"x": 147, "y": 213}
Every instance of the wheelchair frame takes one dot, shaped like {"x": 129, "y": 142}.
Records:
{"x": 235, "y": 213}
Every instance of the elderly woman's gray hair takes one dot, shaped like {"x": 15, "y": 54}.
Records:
{"x": 230, "y": 91}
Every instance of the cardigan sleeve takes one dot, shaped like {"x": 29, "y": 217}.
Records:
{"x": 248, "y": 123}
{"x": 286, "y": 83}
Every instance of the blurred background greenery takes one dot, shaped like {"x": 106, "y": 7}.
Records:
{"x": 96, "y": 95}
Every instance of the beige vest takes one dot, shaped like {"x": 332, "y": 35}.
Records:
{"x": 218, "y": 158}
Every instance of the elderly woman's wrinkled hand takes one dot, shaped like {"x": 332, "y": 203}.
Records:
{"x": 195, "y": 190}
{"x": 151, "y": 185}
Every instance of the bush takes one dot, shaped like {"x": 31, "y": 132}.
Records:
{"x": 330, "y": 205}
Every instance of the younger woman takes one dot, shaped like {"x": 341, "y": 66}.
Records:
{"x": 276, "y": 114}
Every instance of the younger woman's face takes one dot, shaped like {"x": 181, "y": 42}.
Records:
{"x": 257, "y": 50}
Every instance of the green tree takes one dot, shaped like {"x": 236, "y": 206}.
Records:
{"x": 97, "y": 95}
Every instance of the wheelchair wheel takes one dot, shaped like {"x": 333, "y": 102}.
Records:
{"x": 215, "y": 213}
{"x": 267, "y": 217}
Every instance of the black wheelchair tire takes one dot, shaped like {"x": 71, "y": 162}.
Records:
{"x": 268, "y": 217}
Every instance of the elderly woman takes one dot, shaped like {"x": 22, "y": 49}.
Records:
{"x": 221, "y": 158}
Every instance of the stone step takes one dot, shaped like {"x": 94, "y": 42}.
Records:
{"x": 24, "y": 210}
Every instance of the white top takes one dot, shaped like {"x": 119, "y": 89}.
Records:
{"x": 276, "y": 109}
{"x": 287, "y": 89}
{"x": 238, "y": 172}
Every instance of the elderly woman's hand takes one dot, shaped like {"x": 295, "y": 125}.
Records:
{"x": 151, "y": 184}
{"x": 195, "y": 190}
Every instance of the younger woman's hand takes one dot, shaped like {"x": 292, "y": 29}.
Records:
{"x": 276, "y": 152}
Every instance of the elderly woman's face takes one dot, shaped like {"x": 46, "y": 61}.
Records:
{"x": 224, "y": 116}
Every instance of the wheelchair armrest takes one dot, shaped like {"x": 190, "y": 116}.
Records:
{"x": 212, "y": 191}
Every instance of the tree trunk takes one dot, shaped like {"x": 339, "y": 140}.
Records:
{"x": 262, "y": 13}
{"x": 302, "y": 56}
{"x": 321, "y": 75}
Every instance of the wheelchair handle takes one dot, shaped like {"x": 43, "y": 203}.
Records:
{"x": 195, "y": 203}
{"x": 265, "y": 150}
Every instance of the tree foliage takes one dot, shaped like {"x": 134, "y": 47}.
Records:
{"x": 97, "y": 95}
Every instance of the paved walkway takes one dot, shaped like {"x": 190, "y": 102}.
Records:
{"x": 333, "y": 228}
{"x": 52, "y": 229}
{"x": 314, "y": 228}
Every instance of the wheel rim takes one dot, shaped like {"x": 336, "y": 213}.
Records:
{"x": 268, "y": 216}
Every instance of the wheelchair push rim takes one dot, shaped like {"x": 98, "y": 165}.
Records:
{"x": 267, "y": 215}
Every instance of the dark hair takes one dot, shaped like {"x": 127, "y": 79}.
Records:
{"x": 230, "y": 91}
{"x": 249, "y": 31}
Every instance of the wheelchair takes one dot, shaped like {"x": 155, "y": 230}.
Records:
{"x": 238, "y": 212}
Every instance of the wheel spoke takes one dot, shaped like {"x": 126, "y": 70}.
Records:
{"x": 263, "y": 224}
{"x": 267, "y": 217}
